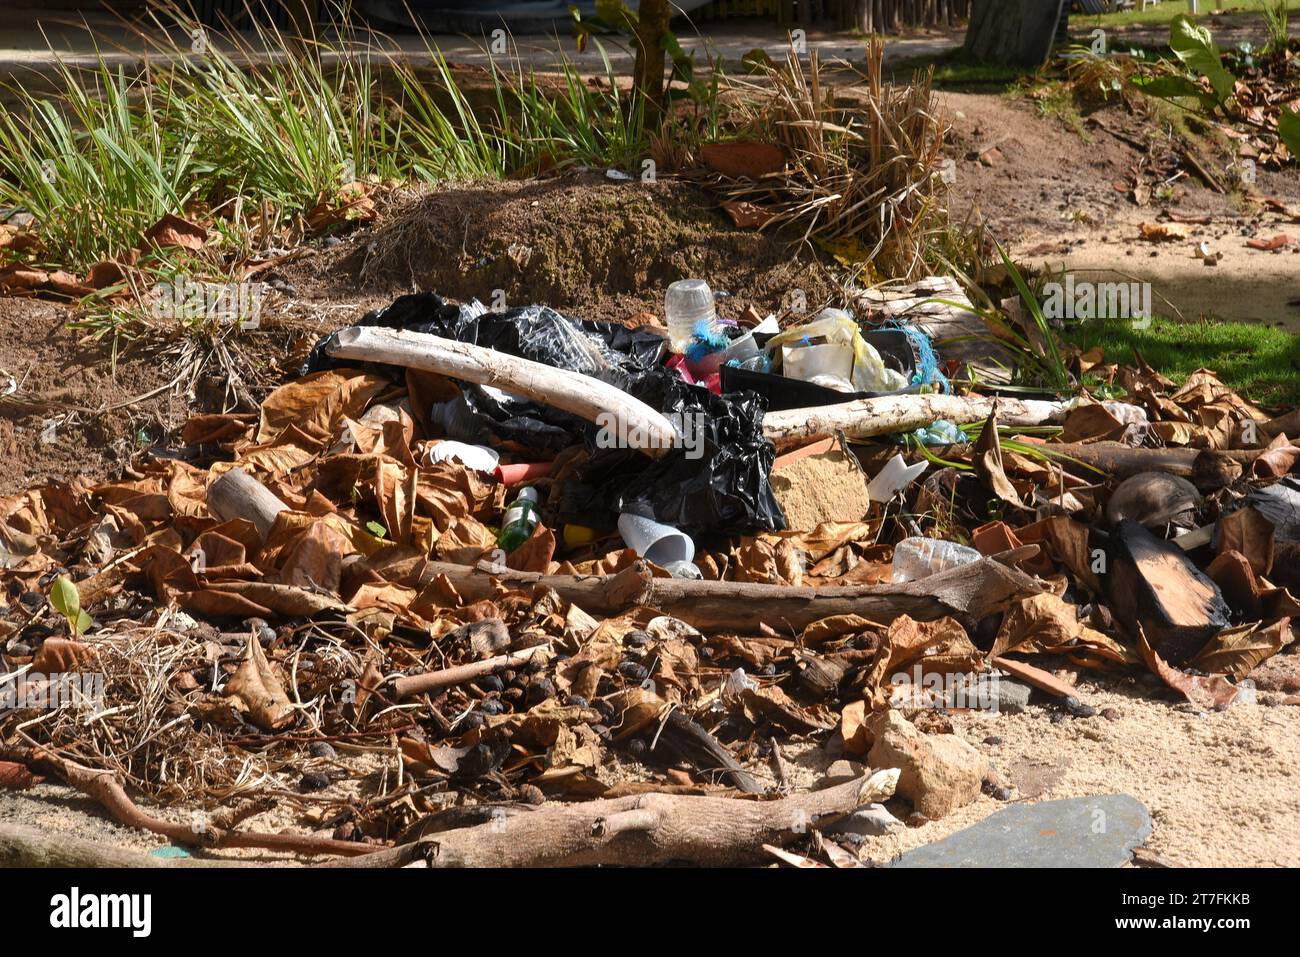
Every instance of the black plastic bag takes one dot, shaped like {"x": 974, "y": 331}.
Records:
{"x": 716, "y": 482}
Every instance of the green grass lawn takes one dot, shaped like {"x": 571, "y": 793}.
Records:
{"x": 1166, "y": 11}
{"x": 1260, "y": 362}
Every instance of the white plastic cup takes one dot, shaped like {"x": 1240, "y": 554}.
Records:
{"x": 655, "y": 542}
{"x": 686, "y": 302}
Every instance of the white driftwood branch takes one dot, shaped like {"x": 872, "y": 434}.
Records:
{"x": 864, "y": 418}
{"x": 641, "y": 427}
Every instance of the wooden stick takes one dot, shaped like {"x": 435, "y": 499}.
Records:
{"x": 655, "y": 828}
{"x": 975, "y": 589}
{"x": 637, "y": 425}
{"x": 238, "y": 495}
{"x": 409, "y": 685}
{"x": 864, "y": 418}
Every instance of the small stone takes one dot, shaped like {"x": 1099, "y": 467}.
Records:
{"x": 993, "y": 740}
{"x": 1077, "y": 708}
{"x": 841, "y": 772}
{"x": 321, "y": 749}
{"x": 578, "y": 701}
{"x": 1110, "y": 714}
{"x": 939, "y": 772}
{"x": 637, "y": 639}
{"x": 871, "y": 820}
{"x": 491, "y": 706}
{"x": 1009, "y": 697}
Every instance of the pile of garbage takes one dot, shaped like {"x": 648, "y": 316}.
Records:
{"x": 509, "y": 555}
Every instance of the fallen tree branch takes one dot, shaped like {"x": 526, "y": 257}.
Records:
{"x": 974, "y": 589}
{"x": 35, "y": 847}
{"x": 105, "y": 788}
{"x": 864, "y": 418}
{"x": 640, "y": 426}
{"x": 656, "y": 828}
{"x": 1118, "y": 460}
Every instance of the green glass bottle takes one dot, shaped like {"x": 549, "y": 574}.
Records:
{"x": 520, "y": 520}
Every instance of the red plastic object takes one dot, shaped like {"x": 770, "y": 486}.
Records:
{"x": 522, "y": 472}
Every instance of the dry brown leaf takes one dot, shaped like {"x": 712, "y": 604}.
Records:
{"x": 1204, "y": 691}
{"x": 1236, "y": 651}
{"x": 172, "y": 232}
{"x": 258, "y": 686}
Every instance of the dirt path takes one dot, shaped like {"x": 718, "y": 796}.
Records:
{"x": 1062, "y": 197}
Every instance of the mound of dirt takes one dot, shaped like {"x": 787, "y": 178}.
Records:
{"x": 585, "y": 244}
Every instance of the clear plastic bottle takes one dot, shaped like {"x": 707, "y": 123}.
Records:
{"x": 686, "y": 302}
{"x": 519, "y": 521}
{"x": 916, "y": 558}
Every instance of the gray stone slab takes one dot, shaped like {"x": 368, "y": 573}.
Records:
{"x": 1099, "y": 831}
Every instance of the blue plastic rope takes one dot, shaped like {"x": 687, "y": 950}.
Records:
{"x": 927, "y": 362}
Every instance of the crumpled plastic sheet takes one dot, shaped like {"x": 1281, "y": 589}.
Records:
{"x": 717, "y": 482}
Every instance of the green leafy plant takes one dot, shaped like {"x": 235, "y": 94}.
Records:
{"x": 67, "y": 601}
{"x": 1205, "y": 79}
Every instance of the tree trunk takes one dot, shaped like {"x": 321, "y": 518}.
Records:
{"x": 652, "y": 26}
{"x": 1018, "y": 32}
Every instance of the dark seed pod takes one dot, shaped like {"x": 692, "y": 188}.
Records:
{"x": 633, "y": 671}
{"x": 472, "y": 721}
{"x": 531, "y": 794}
{"x": 578, "y": 701}
{"x": 636, "y": 747}
{"x": 491, "y": 706}
{"x": 322, "y": 749}
{"x": 313, "y": 781}
{"x": 491, "y": 684}
{"x": 539, "y": 691}
{"x": 637, "y": 639}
